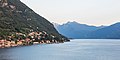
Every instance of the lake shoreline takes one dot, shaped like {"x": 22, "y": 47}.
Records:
{"x": 73, "y": 50}
{"x": 34, "y": 43}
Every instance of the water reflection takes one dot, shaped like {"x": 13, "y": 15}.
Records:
{"x": 4, "y": 54}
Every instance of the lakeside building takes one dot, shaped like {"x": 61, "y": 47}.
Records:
{"x": 20, "y": 39}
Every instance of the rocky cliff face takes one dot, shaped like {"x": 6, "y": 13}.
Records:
{"x": 15, "y": 16}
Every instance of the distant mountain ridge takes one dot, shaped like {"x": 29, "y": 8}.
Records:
{"x": 109, "y": 32}
{"x": 83, "y": 31}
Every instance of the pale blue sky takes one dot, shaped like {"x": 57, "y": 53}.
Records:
{"x": 92, "y": 12}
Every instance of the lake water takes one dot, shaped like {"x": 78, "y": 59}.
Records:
{"x": 77, "y": 49}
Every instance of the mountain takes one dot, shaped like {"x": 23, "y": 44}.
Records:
{"x": 83, "y": 31}
{"x": 75, "y": 30}
{"x": 55, "y": 25}
{"x": 110, "y": 32}
{"x": 15, "y": 16}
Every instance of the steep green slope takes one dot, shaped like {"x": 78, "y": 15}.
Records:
{"x": 15, "y": 16}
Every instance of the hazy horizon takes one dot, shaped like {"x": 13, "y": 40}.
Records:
{"x": 91, "y": 12}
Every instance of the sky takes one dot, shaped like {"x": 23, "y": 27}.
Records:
{"x": 91, "y": 12}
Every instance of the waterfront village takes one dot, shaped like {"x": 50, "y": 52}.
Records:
{"x": 20, "y": 39}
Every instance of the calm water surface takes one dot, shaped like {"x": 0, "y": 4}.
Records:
{"x": 77, "y": 49}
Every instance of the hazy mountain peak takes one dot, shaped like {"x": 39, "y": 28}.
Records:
{"x": 77, "y": 30}
{"x": 117, "y": 24}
